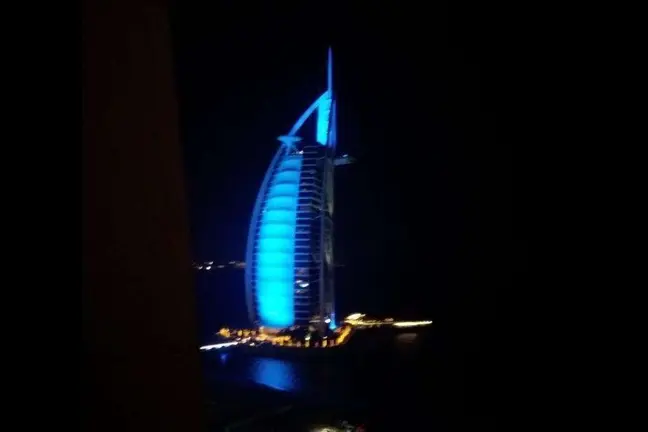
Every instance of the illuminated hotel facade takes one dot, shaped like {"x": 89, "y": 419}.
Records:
{"x": 289, "y": 276}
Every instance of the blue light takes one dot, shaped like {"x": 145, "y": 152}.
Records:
{"x": 278, "y": 216}
{"x": 280, "y": 202}
{"x": 332, "y": 324}
{"x": 252, "y": 230}
{"x": 289, "y": 141}
{"x": 274, "y": 244}
{"x": 290, "y": 177}
{"x": 269, "y": 281}
{"x": 326, "y": 109}
{"x": 274, "y": 373}
{"x": 285, "y": 189}
{"x": 323, "y": 116}
{"x": 276, "y": 230}
{"x": 333, "y": 132}
{"x": 275, "y": 261}
{"x": 329, "y": 70}
{"x": 300, "y": 122}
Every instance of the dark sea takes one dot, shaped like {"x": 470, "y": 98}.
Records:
{"x": 386, "y": 381}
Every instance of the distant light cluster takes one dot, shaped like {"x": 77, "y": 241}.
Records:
{"x": 361, "y": 320}
{"x": 293, "y": 337}
{"x": 209, "y": 265}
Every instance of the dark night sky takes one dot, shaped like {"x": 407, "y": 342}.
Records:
{"x": 423, "y": 218}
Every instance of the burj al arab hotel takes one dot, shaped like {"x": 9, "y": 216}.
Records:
{"x": 289, "y": 275}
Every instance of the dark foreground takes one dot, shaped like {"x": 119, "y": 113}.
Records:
{"x": 401, "y": 383}
{"x": 241, "y": 407}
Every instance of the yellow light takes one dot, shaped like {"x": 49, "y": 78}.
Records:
{"x": 411, "y": 323}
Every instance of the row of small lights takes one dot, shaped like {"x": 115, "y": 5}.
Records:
{"x": 207, "y": 265}
{"x": 356, "y": 319}
{"x": 244, "y": 336}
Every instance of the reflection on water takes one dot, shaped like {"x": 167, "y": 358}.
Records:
{"x": 315, "y": 379}
{"x": 278, "y": 374}
{"x": 407, "y": 338}
{"x": 376, "y": 370}
{"x": 275, "y": 373}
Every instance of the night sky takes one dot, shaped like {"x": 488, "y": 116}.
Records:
{"x": 423, "y": 217}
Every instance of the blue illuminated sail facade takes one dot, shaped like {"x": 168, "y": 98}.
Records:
{"x": 289, "y": 276}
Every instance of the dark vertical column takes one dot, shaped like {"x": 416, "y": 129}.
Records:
{"x": 140, "y": 360}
